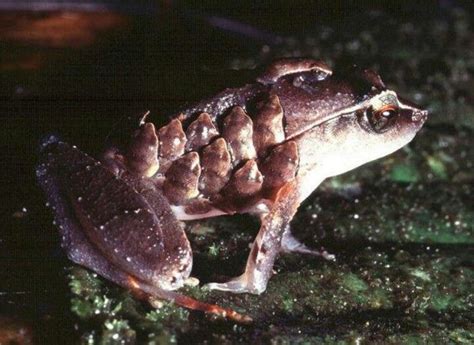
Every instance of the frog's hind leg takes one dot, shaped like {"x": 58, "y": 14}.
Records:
{"x": 115, "y": 218}
{"x": 188, "y": 302}
{"x": 108, "y": 227}
{"x": 83, "y": 253}
{"x": 290, "y": 244}
{"x": 266, "y": 246}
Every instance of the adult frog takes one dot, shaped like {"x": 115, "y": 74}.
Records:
{"x": 261, "y": 149}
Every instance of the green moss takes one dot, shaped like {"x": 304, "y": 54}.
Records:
{"x": 354, "y": 283}
{"x": 461, "y": 336}
{"x": 84, "y": 283}
{"x": 89, "y": 299}
{"x": 288, "y": 304}
{"x": 117, "y": 332}
{"x": 404, "y": 173}
{"x": 168, "y": 313}
{"x": 213, "y": 250}
{"x": 437, "y": 167}
{"x": 421, "y": 274}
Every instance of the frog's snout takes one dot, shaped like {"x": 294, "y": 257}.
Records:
{"x": 419, "y": 115}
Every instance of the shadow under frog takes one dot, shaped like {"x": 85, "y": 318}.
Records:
{"x": 260, "y": 149}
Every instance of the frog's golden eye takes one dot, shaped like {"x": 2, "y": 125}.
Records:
{"x": 381, "y": 119}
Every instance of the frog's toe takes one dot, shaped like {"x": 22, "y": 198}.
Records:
{"x": 236, "y": 285}
{"x": 303, "y": 249}
{"x": 191, "y": 281}
{"x": 290, "y": 244}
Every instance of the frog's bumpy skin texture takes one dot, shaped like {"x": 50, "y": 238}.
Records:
{"x": 200, "y": 132}
{"x": 205, "y": 160}
{"x": 182, "y": 178}
{"x": 238, "y": 132}
{"x": 216, "y": 165}
{"x": 144, "y": 162}
{"x": 172, "y": 140}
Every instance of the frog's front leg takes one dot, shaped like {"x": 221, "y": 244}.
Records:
{"x": 266, "y": 246}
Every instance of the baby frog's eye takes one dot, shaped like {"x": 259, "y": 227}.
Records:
{"x": 381, "y": 119}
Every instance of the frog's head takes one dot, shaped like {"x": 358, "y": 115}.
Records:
{"x": 347, "y": 119}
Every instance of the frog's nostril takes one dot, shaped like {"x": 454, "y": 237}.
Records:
{"x": 419, "y": 115}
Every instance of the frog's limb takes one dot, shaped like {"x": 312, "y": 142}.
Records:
{"x": 141, "y": 236}
{"x": 110, "y": 226}
{"x": 266, "y": 246}
{"x": 187, "y": 302}
{"x": 290, "y": 244}
{"x": 283, "y": 67}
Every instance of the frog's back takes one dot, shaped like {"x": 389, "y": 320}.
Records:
{"x": 231, "y": 152}
{"x": 224, "y": 158}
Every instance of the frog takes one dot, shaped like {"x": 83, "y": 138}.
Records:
{"x": 260, "y": 149}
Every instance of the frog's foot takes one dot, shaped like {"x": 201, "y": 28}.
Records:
{"x": 240, "y": 284}
{"x": 290, "y": 244}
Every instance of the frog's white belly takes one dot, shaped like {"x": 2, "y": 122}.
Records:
{"x": 180, "y": 213}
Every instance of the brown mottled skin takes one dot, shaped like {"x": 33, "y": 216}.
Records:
{"x": 260, "y": 149}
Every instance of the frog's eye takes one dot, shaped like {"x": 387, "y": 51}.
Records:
{"x": 381, "y": 119}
